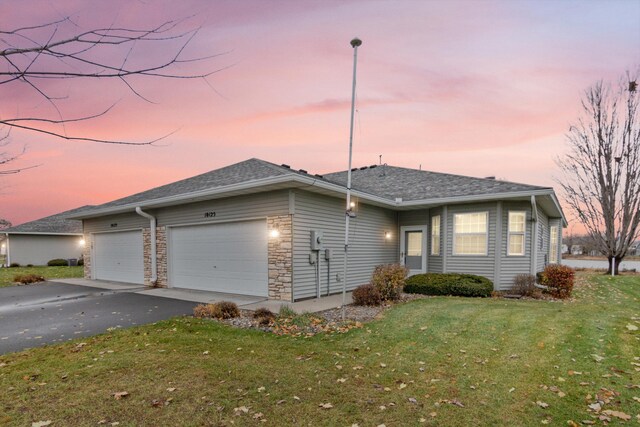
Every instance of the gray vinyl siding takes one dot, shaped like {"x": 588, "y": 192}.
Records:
{"x": 126, "y": 221}
{"x": 434, "y": 262}
{"x": 418, "y": 217}
{"x": 39, "y": 249}
{"x": 367, "y": 245}
{"x": 512, "y": 265}
{"x": 261, "y": 205}
{"x": 482, "y": 265}
{"x": 542, "y": 246}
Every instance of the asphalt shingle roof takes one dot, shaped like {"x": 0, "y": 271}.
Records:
{"x": 411, "y": 184}
{"x": 384, "y": 181}
{"x": 248, "y": 170}
{"x": 53, "y": 224}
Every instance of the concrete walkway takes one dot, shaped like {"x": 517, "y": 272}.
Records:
{"x": 206, "y": 297}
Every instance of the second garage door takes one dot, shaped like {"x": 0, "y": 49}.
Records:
{"x": 227, "y": 257}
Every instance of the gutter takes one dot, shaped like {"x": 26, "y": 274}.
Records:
{"x": 154, "y": 255}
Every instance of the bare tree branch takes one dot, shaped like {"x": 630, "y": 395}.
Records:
{"x": 601, "y": 172}
{"x": 61, "y": 50}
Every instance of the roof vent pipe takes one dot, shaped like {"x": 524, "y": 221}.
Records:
{"x": 154, "y": 256}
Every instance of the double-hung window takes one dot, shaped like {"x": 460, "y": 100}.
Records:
{"x": 470, "y": 233}
{"x": 553, "y": 244}
{"x": 435, "y": 235}
{"x": 517, "y": 221}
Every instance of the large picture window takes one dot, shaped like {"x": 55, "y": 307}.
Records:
{"x": 553, "y": 242}
{"x": 470, "y": 233}
{"x": 435, "y": 235}
{"x": 516, "y": 233}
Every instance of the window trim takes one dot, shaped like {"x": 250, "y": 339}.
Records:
{"x": 454, "y": 249}
{"x": 551, "y": 245}
{"x": 435, "y": 250}
{"x": 523, "y": 233}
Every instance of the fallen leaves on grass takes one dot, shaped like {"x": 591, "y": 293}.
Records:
{"x": 632, "y": 327}
{"x": 41, "y": 423}
{"x": 617, "y": 414}
{"x": 542, "y": 404}
{"x": 120, "y": 395}
{"x": 326, "y": 405}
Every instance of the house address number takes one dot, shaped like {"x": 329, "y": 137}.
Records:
{"x": 209, "y": 214}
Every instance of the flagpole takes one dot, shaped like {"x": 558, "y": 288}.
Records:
{"x": 354, "y": 44}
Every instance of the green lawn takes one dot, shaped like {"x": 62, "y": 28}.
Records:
{"x": 437, "y": 361}
{"x": 7, "y": 274}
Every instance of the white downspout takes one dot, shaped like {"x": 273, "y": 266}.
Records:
{"x": 7, "y": 253}
{"x": 534, "y": 236}
{"x": 154, "y": 258}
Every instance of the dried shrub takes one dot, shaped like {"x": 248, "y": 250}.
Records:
{"x": 26, "y": 279}
{"x": 286, "y": 311}
{"x": 454, "y": 284}
{"x": 58, "y": 262}
{"x": 559, "y": 280}
{"x": 366, "y": 295}
{"x": 264, "y": 316}
{"x": 225, "y": 310}
{"x": 203, "y": 311}
{"x": 389, "y": 280}
{"x": 15, "y": 265}
{"x": 525, "y": 285}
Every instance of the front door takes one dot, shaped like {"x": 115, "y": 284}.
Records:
{"x": 413, "y": 248}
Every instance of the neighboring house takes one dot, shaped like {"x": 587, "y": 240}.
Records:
{"x": 37, "y": 242}
{"x": 247, "y": 229}
{"x": 576, "y": 250}
{"x": 565, "y": 249}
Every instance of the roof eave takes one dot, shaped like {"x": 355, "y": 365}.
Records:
{"x": 41, "y": 233}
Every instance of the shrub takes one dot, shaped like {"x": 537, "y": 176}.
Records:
{"x": 455, "y": 284}
{"x": 58, "y": 262}
{"x": 559, "y": 280}
{"x": 525, "y": 285}
{"x": 366, "y": 295}
{"x": 80, "y": 262}
{"x": 26, "y": 279}
{"x": 264, "y": 316}
{"x": 286, "y": 311}
{"x": 29, "y": 265}
{"x": 225, "y": 310}
{"x": 389, "y": 280}
{"x": 14, "y": 265}
{"x": 203, "y": 311}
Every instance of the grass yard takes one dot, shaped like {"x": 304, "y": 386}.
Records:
{"x": 436, "y": 361}
{"x": 7, "y": 274}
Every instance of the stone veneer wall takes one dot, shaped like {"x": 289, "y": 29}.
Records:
{"x": 161, "y": 248}
{"x": 280, "y": 258}
{"x": 161, "y": 261}
{"x": 86, "y": 255}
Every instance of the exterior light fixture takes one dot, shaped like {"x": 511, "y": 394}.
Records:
{"x": 352, "y": 205}
{"x": 82, "y": 242}
{"x": 274, "y": 234}
{"x": 387, "y": 235}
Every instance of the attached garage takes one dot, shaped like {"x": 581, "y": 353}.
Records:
{"x": 225, "y": 257}
{"x": 118, "y": 256}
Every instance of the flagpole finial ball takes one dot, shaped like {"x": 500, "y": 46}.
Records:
{"x": 356, "y": 42}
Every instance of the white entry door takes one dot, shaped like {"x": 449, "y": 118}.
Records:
{"x": 413, "y": 248}
{"x": 228, "y": 257}
{"x": 118, "y": 256}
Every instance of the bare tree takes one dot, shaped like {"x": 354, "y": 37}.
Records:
{"x": 4, "y": 224}
{"x": 33, "y": 56}
{"x": 601, "y": 181}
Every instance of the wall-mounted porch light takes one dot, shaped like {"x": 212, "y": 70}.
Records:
{"x": 387, "y": 235}
{"x": 274, "y": 234}
{"x": 82, "y": 242}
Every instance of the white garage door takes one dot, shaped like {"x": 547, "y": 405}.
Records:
{"x": 229, "y": 257}
{"x": 118, "y": 256}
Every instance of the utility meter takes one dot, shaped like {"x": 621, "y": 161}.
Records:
{"x": 316, "y": 240}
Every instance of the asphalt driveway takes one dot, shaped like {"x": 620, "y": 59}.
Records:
{"x": 49, "y": 313}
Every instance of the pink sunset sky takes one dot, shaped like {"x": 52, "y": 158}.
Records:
{"x": 476, "y": 88}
